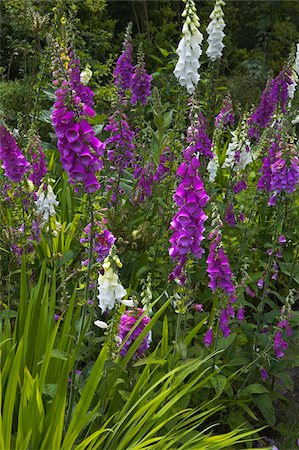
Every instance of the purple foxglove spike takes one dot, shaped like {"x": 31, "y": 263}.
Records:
{"x": 14, "y": 163}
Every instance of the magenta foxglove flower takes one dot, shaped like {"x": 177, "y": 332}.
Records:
{"x": 163, "y": 167}
{"x": 230, "y": 218}
{"x": 198, "y": 307}
{"x": 284, "y": 324}
{"x": 280, "y": 171}
{"x": 188, "y": 222}
{"x": 282, "y": 239}
{"x": 240, "y": 314}
{"x": 120, "y": 149}
{"x": 80, "y": 150}
{"x": 145, "y": 182}
{"x": 208, "y": 339}
{"x": 260, "y": 283}
{"x": 38, "y": 166}
{"x": 239, "y": 186}
{"x": 264, "y": 374}
{"x": 102, "y": 243}
{"x": 226, "y": 115}
{"x": 279, "y": 345}
{"x": 124, "y": 66}
{"x": 275, "y": 95}
{"x": 127, "y": 322}
{"x": 14, "y": 163}
{"x": 140, "y": 82}
{"x": 219, "y": 270}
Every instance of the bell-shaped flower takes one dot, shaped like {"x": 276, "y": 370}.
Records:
{"x": 189, "y": 50}
{"x": 110, "y": 289}
{"x": 215, "y": 31}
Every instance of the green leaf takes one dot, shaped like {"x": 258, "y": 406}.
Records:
{"x": 290, "y": 269}
{"x": 254, "y": 388}
{"x": 7, "y": 314}
{"x": 287, "y": 380}
{"x": 264, "y": 403}
{"x": 219, "y": 383}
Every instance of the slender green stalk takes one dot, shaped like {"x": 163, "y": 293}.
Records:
{"x": 84, "y": 309}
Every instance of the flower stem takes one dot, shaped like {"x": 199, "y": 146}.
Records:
{"x": 84, "y": 308}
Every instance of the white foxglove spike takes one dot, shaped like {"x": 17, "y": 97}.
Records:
{"x": 215, "y": 32}
{"x": 295, "y": 74}
{"x": 110, "y": 289}
{"x": 189, "y": 50}
{"x": 46, "y": 202}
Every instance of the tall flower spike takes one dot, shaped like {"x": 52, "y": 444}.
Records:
{"x": 274, "y": 95}
{"x": 294, "y": 76}
{"x": 141, "y": 82}
{"x": 124, "y": 65}
{"x": 189, "y": 49}
{"x": 191, "y": 198}
{"x": 215, "y": 31}
{"x": 46, "y": 202}
{"x": 14, "y": 162}
{"x": 80, "y": 150}
{"x": 38, "y": 168}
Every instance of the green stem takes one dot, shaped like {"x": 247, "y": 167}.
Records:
{"x": 266, "y": 284}
{"x": 177, "y": 337}
{"x": 83, "y": 312}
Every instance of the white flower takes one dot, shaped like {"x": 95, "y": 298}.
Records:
{"x": 100, "y": 324}
{"x": 128, "y": 303}
{"x": 296, "y": 120}
{"x": 110, "y": 290}
{"x": 213, "y": 167}
{"x": 245, "y": 155}
{"x": 295, "y": 75}
{"x": 189, "y": 50}
{"x": 215, "y": 32}
{"x": 86, "y": 75}
{"x": 46, "y": 202}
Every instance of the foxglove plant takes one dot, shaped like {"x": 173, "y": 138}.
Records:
{"x": 14, "y": 163}
{"x": 46, "y": 203}
{"x": 164, "y": 165}
{"x": 238, "y": 154}
{"x": 280, "y": 170}
{"x": 275, "y": 96}
{"x": 109, "y": 287}
{"x": 147, "y": 176}
{"x": 226, "y": 116}
{"x": 120, "y": 149}
{"x": 145, "y": 182}
{"x": 38, "y": 165}
{"x": 103, "y": 240}
{"x": 221, "y": 280}
{"x": 191, "y": 197}
{"x": 140, "y": 82}
{"x": 295, "y": 74}
{"x": 80, "y": 150}
{"x": 124, "y": 69}
{"x": 219, "y": 269}
{"x": 189, "y": 49}
{"x": 127, "y": 322}
{"x": 215, "y": 32}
